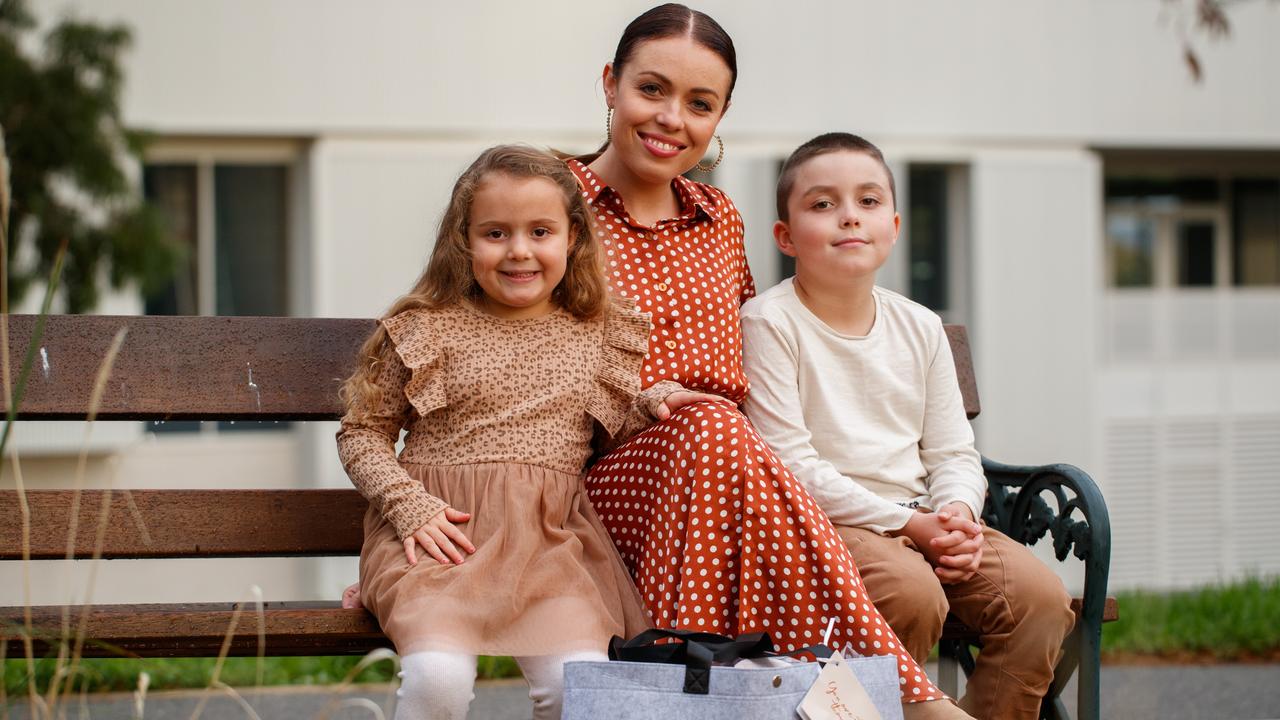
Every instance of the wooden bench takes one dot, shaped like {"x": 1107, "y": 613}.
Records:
{"x": 196, "y": 368}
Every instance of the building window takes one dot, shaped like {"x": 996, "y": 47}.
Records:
{"x": 1195, "y": 253}
{"x": 934, "y": 248}
{"x": 1195, "y": 232}
{"x": 232, "y": 221}
{"x": 1131, "y": 239}
{"x": 927, "y": 218}
{"x": 1255, "y": 237}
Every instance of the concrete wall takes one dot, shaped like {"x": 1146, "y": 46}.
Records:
{"x": 389, "y": 100}
{"x": 1089, "y": 72}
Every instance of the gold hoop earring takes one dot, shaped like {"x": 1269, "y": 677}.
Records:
{"x": 719, "y": 157}
{"x": 608, "y": 126}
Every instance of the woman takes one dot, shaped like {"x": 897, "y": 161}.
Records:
{"x": 717, "y": 533}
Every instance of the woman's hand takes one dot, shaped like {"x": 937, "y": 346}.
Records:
{"x": 440, "y": 538}
{"x": 680, "y": 398}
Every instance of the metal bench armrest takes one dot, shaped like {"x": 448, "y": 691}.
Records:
{"x": 1028, "y": 502}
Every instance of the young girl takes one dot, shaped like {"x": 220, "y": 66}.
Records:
{"x": 503, "y": 362}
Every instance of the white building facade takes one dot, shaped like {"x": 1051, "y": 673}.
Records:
{"x": 1108, "y": 229}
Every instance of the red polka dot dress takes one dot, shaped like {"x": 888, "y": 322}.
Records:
{"x": 718, "y": 534}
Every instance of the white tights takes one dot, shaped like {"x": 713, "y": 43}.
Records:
{"x": 440, "y": 685}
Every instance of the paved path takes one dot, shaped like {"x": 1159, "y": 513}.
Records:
{"x": 1215, "y": 692}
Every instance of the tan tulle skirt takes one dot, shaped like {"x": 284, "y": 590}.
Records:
{"x": 545, "y": 577}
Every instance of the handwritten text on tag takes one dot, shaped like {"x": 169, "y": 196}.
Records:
{"x": 837, "y": 695}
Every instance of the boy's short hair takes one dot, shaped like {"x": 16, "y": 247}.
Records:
{"x": 821, "y": 145}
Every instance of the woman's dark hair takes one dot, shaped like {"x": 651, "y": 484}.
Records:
{"x": 676, "y": 20}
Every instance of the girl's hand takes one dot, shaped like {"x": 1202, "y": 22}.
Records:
{"x": 351, "y": 597}
{"x": 680, "y": 398}
{"x": 439, "y": 537}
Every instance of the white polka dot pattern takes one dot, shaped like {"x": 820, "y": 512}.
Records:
{"x": 718, "y": 534}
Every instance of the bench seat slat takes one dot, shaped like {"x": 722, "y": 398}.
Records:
{"x": 198, "y": 630}
{"x": 189, "y": 523}
{"x": 292, "y": 628}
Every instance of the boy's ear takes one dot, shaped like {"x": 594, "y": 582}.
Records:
{"x": 782, "y": 238}
{"x": 897, "y": 228}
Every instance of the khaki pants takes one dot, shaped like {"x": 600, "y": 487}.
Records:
{"x": 1016, "y": 603}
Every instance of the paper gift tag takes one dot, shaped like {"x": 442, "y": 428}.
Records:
{"x": 837, "y": 695}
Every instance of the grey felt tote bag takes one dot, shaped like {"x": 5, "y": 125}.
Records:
{"x": 691, "y": 678}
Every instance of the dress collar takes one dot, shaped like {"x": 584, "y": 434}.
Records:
{"x": 690, "y": 195}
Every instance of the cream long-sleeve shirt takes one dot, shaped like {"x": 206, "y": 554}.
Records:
{"x": 870, "y": 425}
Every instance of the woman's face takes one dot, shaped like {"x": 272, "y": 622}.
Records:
{"x": 667, "y": 101}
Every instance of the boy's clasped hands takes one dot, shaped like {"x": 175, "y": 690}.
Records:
{"x": 949, "y": 539}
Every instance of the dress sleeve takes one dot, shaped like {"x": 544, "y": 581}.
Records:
{"x": 772, "y": 359}
{"x": 367, "y": 442}
{"x": 747, "y": 290}
{"x": 616, "y": 400}
{"x": 946, "y": 442}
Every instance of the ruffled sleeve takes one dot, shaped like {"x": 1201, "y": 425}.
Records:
{"x": 420, "y": 352}
{"x": 616, "y": 401}
{"x": 617, "y": 381}
{"x": 367, "y": 440}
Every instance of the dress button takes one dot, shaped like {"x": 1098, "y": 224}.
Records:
{"x": 660, "y": 287}
{"x": 671, "y": 344}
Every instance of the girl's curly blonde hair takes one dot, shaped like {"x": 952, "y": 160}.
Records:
{"x": 448, "y": 279}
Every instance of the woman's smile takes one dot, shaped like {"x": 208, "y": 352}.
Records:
{"x": 660, "y": 145}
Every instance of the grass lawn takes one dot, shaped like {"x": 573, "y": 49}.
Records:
{"x": 1229, "y": 622}
{"x": 106, "y": 674}
{"x": 1239, "y": 621}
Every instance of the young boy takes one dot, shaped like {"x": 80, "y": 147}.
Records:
{"x": 855, "y": 388}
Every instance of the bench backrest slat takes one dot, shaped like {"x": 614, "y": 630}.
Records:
{"x": 959, "y": 338}
{"x": 199, "y": 368}
{"x": 188, "y": 523}
{"x": 188, "y": 368}
{"x": 222, "y": 368}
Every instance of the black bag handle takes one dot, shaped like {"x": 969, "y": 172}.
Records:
{"x": 697, "y": 651}
{"x": 817, "y": 651}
